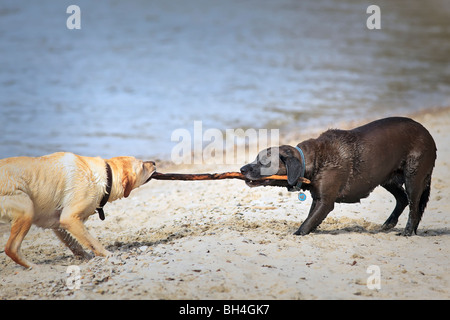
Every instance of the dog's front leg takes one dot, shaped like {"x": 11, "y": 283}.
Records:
{"x": 70, "y": 221}
{"x": 324, "y": 194}
{"x": 319, "y": 210}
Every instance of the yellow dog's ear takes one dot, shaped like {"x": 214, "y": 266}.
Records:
{"x": 128, "y": 184}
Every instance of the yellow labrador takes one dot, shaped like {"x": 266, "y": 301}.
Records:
{"x": 60, "y": 191}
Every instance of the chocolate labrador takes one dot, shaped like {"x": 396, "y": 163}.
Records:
{"x": 346, "y": 165}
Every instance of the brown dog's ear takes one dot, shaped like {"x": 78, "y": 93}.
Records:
{"x": 128, "y": 184}
{"x": 294, "y": 170}
{"x": 293, "y": 166}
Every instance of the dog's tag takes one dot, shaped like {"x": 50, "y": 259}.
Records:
{"x": 301, "y": 196}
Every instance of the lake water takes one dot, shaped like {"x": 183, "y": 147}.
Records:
{"x": 138, "y": 70}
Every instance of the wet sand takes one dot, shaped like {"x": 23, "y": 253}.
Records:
{"x": 224, "y": 240}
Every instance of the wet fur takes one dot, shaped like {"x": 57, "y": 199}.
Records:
{"x": 346, "y": 165}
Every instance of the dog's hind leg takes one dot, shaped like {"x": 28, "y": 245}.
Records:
{"x": 19, "y": 229}
{"x": 22, "y": 212}
{"x": 402, "y": 201}
{"x": 418, "y": 186}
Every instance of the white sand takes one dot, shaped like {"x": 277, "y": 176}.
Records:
{"x": 224, "y": 240}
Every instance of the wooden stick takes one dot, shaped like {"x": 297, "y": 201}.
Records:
{"x": 214, "y": 176}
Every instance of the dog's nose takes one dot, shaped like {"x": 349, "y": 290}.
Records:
{"x": 245, "y": 169}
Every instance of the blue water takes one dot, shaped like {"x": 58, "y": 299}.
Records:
{"x": 138, "y": 70}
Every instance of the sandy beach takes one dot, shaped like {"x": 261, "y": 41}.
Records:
{"x": 224, "y": 240}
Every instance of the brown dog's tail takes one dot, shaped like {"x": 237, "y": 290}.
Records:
{"x": 423, "y": 202}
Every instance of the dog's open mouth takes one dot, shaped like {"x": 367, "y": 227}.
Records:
{"x": 150, "y": 178}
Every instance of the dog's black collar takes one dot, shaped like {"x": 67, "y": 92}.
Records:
{"x": 105, "y": 198}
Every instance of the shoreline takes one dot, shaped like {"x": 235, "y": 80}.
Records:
{"x": 296, "y": 137}
{"x": 224, "y": 240}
